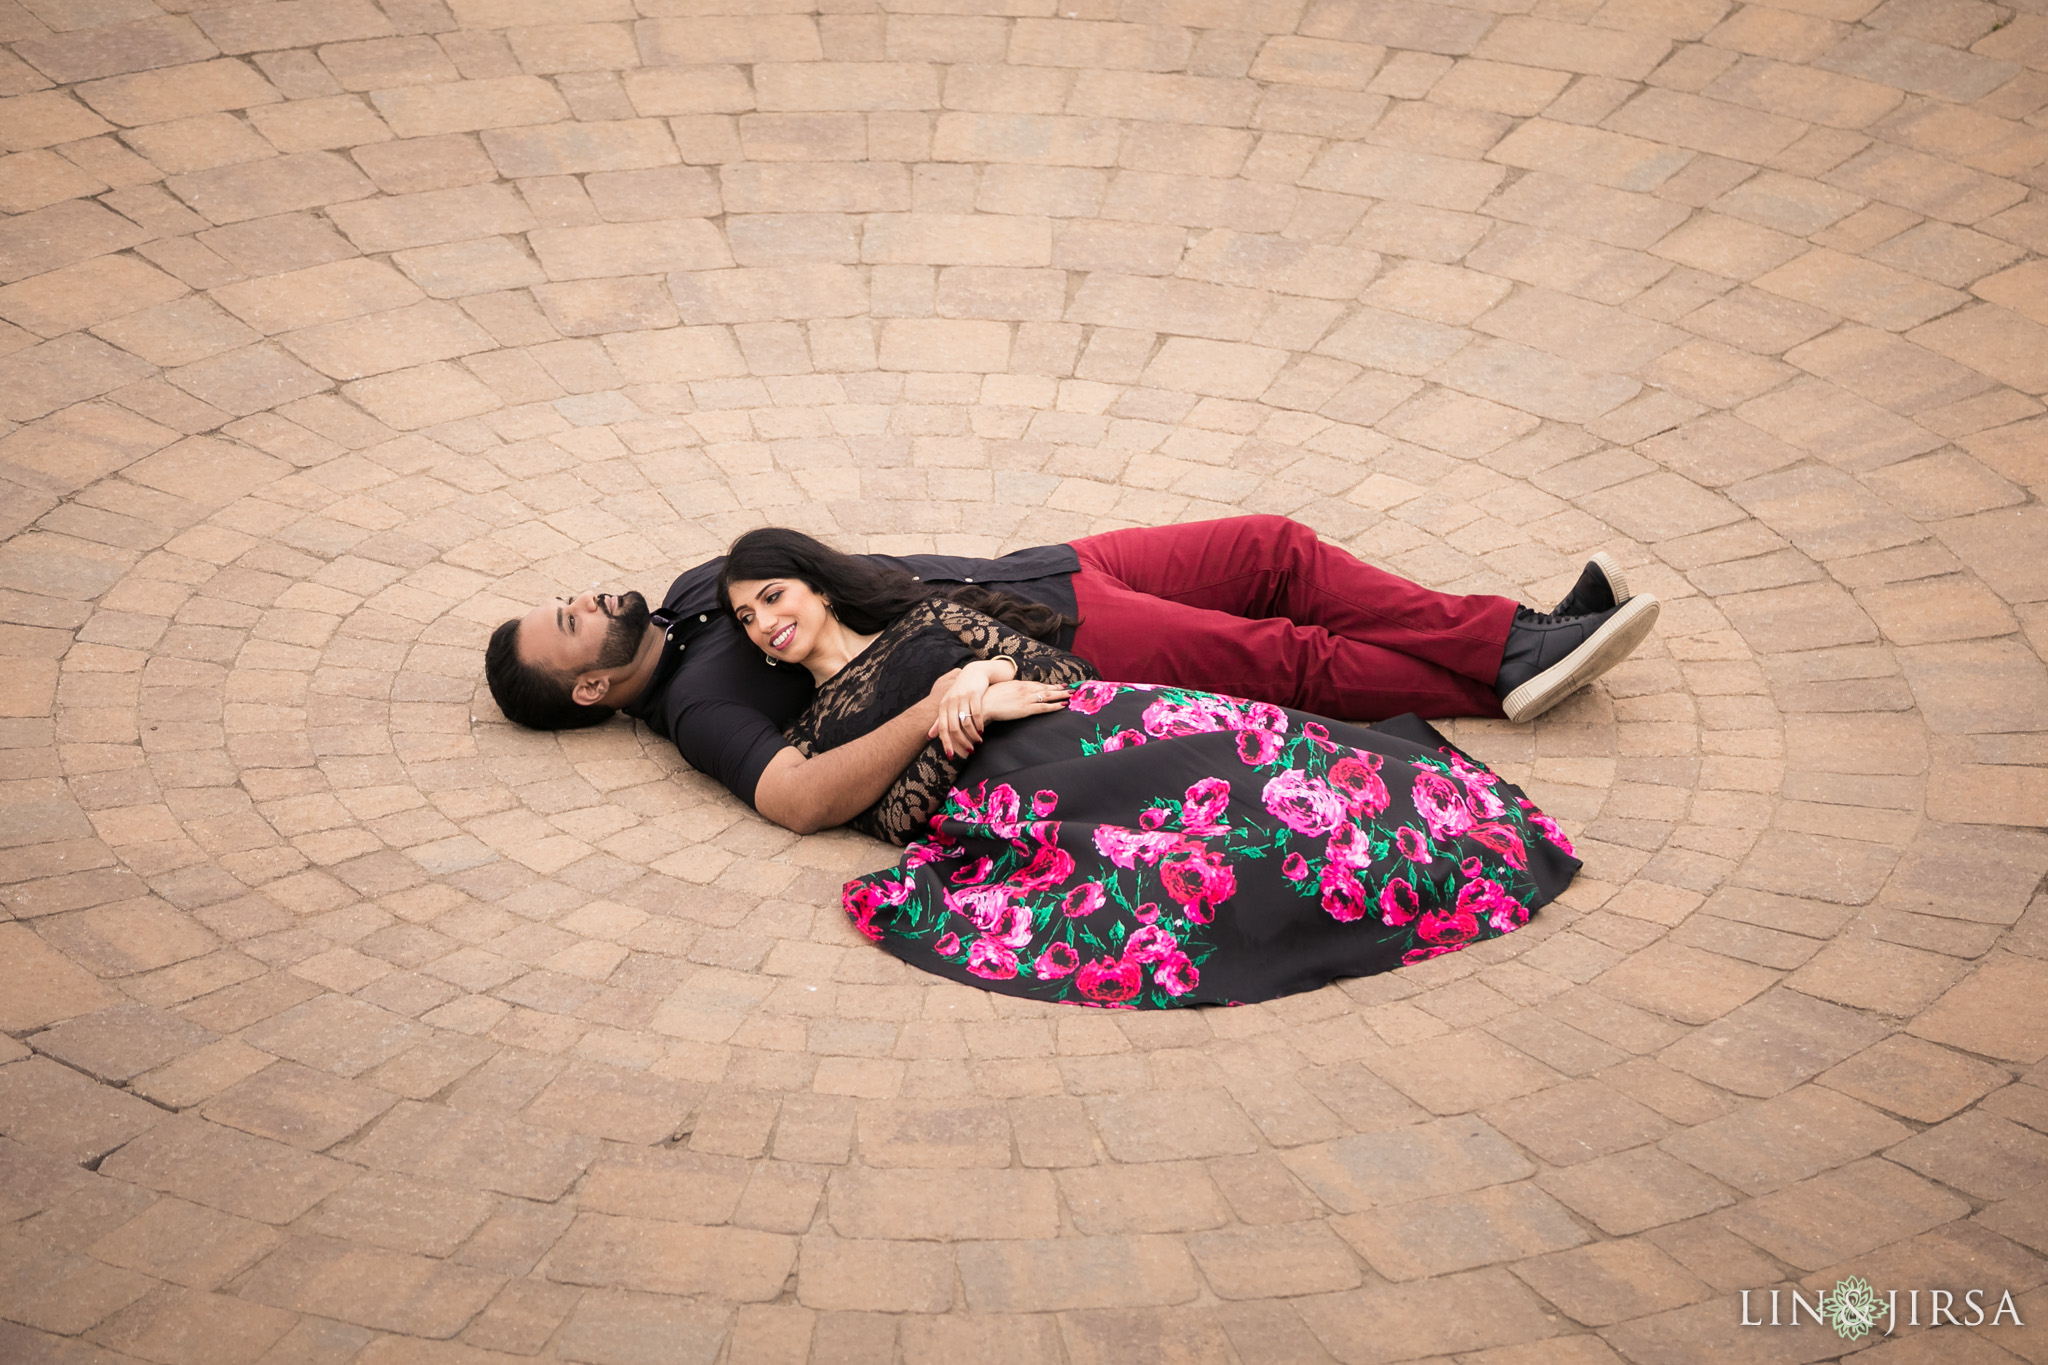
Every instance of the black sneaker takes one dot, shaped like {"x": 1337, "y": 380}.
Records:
{"x": 1549, "y": 657}
{"x": 1602, "y": 586}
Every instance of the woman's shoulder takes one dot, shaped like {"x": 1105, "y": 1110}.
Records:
{"x": 928, "y": 611}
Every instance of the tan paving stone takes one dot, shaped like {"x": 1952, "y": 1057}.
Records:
{"x": 188, "y": 1244}
{"x": 1370, "y": 1170}
{"x": 1769, "y": 1144}
{"x": 480, "y": 1150}
{"x": 672, "y": 1258}
{"x": 1844, "y": 1213}
{"x": 208, "y": 1164}
{"x": 1355, "y": 1325}
{"x": 1612, "y": 1282}
{"x": 1635, "y": 1190}
{"x": 1432, "y": 1237}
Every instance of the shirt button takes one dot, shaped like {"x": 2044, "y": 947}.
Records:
{"x": 705, "y": 617}
{"x": 966, "y": 580}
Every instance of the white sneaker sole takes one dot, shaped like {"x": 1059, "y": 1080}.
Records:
{"x": 1616, "y": 639}
{"x": 1617, "y": 579}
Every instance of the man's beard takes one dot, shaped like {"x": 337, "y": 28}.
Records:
{"x": 622, "y": 637}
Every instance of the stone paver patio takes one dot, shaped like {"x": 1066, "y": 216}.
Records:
{"x": 345, "y": 1022}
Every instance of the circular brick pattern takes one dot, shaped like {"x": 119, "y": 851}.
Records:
{"x": 347, "y": 1022}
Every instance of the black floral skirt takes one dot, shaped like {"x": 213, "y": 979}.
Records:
{"x": 1148, "y": 848}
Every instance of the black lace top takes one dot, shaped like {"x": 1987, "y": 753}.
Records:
{"x": 897, "y": 671}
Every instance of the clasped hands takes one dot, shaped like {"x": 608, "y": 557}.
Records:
{"x": 975, "y": 696}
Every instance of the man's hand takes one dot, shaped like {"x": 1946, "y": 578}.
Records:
{"x": 809, "y": 794}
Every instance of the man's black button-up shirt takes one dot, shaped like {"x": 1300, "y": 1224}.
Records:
{"x": 714, "y": 695}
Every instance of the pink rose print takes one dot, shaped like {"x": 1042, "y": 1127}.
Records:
{"x": 862, "y": 902}
{"x": 1153, "y": 818}
{"x": 1196, "y": 715}
{"x": 978, "y": 872}
{"x": 994, "y": 912}
{"x": 1343, "y": 897}
{"x": 1547, "y": 825}
{"x": 1440, "y": 804}
{"x": 1048, "y": 868}
{"x": 1044, "y": 803}
{"x": 1123, "y": 739}
{"x": 1056, "y": 961}
{"x": 1151, "y": 944}
{"x": 1002, "y": 815}
{"x": 1084, "y": 899}
{"x": 1198, "y": 878}
{"x": 1013, "y": 925}
{"x": 1203, "y": 808}
{"x": 1090, "y": 697}
{"x": 1303, "y": 803}
{"x": 1399, "y": 905}
{"x": 1129, "y": 847}
{"x": 1490, "y": 899}
{"x": 1350, "y": 846}
{"x": 1319, "y": 735}
{"x": 1146, "y": 913}
{"x": 992, "y": 960}
{"x": 1294, "y": 867}
{"x": 1478, "y": 786}
{"x": 1447, "y": 926}
{"x": 1259, "y": 715}
{"x": 1471, "y": 867}
{"x": 1176, "y": 975}
{"x": 979, "y": 903}
{"x": 1505, "y": 842}
{"x": 948, "y": 944}
{"x": 1258, "y": 747}
{"x": 1413, "y": 846}
{"x": 1110, "y": 980}
{"x": 1356, "y": 778}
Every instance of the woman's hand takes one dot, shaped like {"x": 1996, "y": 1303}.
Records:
{"x": 1016, "y": 700}
{"x": 961, "y": 707}
{"x": 958, "y": 728}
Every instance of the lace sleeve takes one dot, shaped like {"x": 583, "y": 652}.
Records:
{"x": 930, "y": 638}
{"x": 987, "y": 637}
{"x": 904, "y": 810}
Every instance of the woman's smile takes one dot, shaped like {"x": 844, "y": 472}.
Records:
{"x": 780, "y": 639}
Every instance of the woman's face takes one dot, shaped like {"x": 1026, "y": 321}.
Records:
{"x": 782, "y": 616}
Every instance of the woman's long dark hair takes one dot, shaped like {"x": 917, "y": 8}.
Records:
{"x": 864, "y": 595}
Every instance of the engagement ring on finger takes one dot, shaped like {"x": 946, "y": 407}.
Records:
{"x": 964, "y": 717}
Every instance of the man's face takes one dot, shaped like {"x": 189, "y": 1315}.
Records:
{"x": 587, "y": 633}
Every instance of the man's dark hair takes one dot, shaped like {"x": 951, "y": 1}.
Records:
{"x": 864, "y": 595}
{"x": 530, "y": 695}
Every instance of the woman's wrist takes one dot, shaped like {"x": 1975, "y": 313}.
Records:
{"x": 1002, "y": 668}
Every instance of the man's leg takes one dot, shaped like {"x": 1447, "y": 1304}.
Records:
{"x": 1218, "y": 622}
{"x": 1270, "y": 567}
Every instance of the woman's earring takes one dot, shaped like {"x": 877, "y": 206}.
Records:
{"x": 766, "y": 660}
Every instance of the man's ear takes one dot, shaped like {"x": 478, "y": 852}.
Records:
{"x": 590, "y": 689}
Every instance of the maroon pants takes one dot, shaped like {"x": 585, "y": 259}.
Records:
{"x": 1258, "y": 607}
